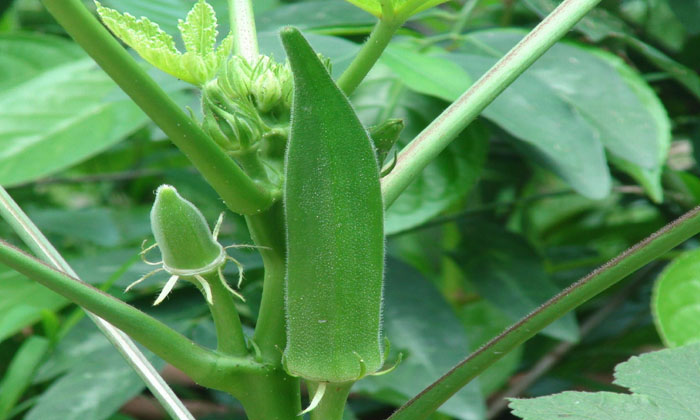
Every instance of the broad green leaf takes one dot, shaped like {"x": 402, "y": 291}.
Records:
{"x": 22, "y": 302}
{"x": 507, "y": 271}
{"x": 620, "y": 108}
{"x": 334, "y": 214}
{"x": 419, "y": 323}
{"x": 403, "y": 7}
{"x": 599, "y": 24}
{"x": 199, "y": 29}
{"x": 446, "y": 180}
{"x": 483, "y": 321}
{"x": 20, "y": 372}
{"x": 60, "y": 117}
{"x": 95, "y": 388}
{"x": 547, "y": 125}
{"x": 556, "y": 109}
{"x": 425, "y": 74}
{"x": 25, "y": 56}
{"x": 676, "y": 300}
{"x": 664, "y": 386}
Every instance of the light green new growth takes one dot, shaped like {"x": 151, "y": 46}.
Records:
{"x": 400, "y": 7}
{"x": 201, "y": 61}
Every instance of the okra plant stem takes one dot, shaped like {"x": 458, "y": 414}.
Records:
{"x": 445, "y": 128}
{"x": 204, "y": 366}
{"x": 267, "y": 230}
{"x": 238, "y": 191}
{"x": 40, "y": 245}
{"x": 333, "y": 402}
{"x": 229, "y": 333}
{"x": 662, "y": 241}
{"x": 369, "y": 54}
{"x": 245, "y": 38}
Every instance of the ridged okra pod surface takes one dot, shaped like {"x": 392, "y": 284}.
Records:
{"x": 334, "y": 216}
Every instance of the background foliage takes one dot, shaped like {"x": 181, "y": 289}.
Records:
{"x": 590, "y": 150}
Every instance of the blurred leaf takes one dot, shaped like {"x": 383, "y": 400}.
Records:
{"x": 618, "y": 109}
{"x": 421, "y": 324}
{"x": 447, "y": 179}
{"x": 656, "y": 20}
{"x": 25, "y": 56}
{"x": 318, "y": 15}
{"x": 597, "y": 25}
{"x": 507, "y": 271}
{"x": 400, "y": 6}
{"x": 22, "y": 302}
{"x": 676, "y": 300}
{"x": 94, "y": 389}
{"x": 59, "y": 117}
{"x": 688, "y": 13}
{"x": 426, "y": 74}
{"x": 483, "y": 321}
{"x": 20, "y": 372}
{"x": 600, "y": 24}
{"x": 106, "y": 227}
{"x": 532, "y": 112}
{"x": 664, "y": 386}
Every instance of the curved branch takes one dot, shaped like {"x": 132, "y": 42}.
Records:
{"x": 241, "y": 194}
{"x": 202, "y": 365}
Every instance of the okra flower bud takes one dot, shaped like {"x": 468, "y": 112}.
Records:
{"x": 190, "y": 250}
{"x": 267, "y": 91}
{"x": 233, "y": 124}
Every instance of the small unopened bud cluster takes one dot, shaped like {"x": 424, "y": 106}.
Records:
{"x": 248, "y": 102}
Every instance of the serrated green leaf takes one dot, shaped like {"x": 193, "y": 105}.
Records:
{"x": 401, "y": 7}
{"x": 147, "y": 39}
{"x": 198, "y": 30}
{"x": 676, "y": 301}
{"x": 664, "y": 385}
{"x": 197, "y": 66}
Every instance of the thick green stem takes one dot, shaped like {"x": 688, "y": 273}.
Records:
{"x": 274, "y": 396}
{"x": 196, "y": 361}
{"x": 369, "y": 54}
{"x": 333, "y": 402}
{"x": 245, "y": 38}
{"x": 240, "y": 193}
{"x": 428, "y": 401}
{"x": 440, "y": 133}
{"x": 229, "y": 333}
{"x": 267, "y": 230}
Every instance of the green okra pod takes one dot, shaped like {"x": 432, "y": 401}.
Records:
{"x": 334, "y": 216}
